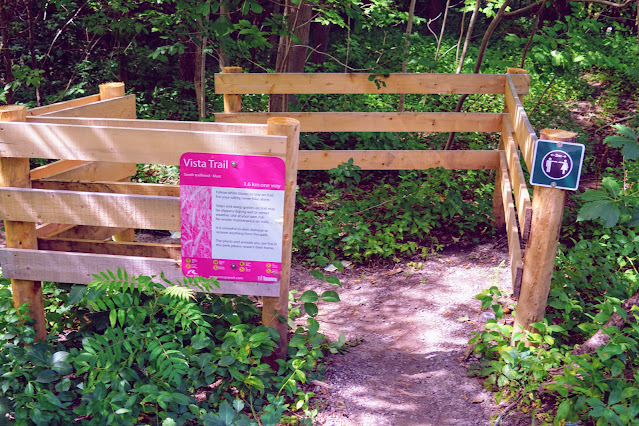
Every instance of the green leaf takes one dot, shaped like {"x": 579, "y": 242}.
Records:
{"x": 331, "y": 279}
{"x": 297, "y": 341}
{"x": 227, "y": 413}
{"x": 308, "y": 296}
{"x": 311, "y": 309}
{"x": 330, "y": 296}
{"x": 563, "y": 410}
{"x": 317, "y": 274}
{"x": 47, "y": 376}
{"x": 606, "y": 210}
{"x": 226, "y": 361}
{"x": 612, "y": 186}
{"x": 76, "y": 294}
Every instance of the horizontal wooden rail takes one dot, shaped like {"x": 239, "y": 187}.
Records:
{"x": 63, "y": 105}
{"x": 525, "y": 135}
{"x": 378, "y": 121}
{"x": 512, "y": 231}
{"x": 128, "y": 145}
{"x": 245, "y": 129}
{"x": 518, "y": 180}
{"x": 95, "y": 170}
{"x": 109, "y": 187}
{"x": 110, "y": 108}
{"x": 90, "y": 208}
{"x": 79, "y": 268}
{"x": 117, "y": 248}
{"x": 400, "y": 160}
{"x": 344, "y": 83}
{"x": 85, "y": 232}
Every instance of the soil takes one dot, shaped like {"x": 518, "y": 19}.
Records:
{"x": 408, "y": 327}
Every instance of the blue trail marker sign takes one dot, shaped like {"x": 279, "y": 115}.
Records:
{"x": 557, "y": 164}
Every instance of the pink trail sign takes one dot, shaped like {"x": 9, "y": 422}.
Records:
{"x": 232, "y": 216}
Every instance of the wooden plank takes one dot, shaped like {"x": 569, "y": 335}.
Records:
{"x": 14, "y": 172}
{"x": 378, "y": 121}
{"x": 512, "y": 231}
{"x": 79, "y": 268}
{"x": 232, "y": 103}
{"x": 193, "y": 126}
{"x": 400, "y": 160}
{"x": 99, "y": 170}
{"x": 87, "y": 232}
{"x": 300, "y": 83}
{"x": 52, "y": 169}
{"x": 68, "y": 142}
{"x": 47, "y": 229}
{"x": 90, "y": 208}
{"x": 118, "y": 248}
{"x": 62, "y": 105}
{"x": 518, "y": 180}
{"x": 109, "y": 187}
{"x": 123, "y": 107}
{"x": 525, "y": 135}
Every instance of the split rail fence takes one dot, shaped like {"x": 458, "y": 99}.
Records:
{"x": 60, "y": 218}
{"x": 532, "y": 228}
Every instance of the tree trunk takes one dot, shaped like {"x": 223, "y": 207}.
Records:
{"x": 186, "y": 61}
{"x": 441, "y": 33}
{"x": 320, "y": 34}
{"x": 469, "y": 34}
{"x": 291, "y": 57}
{"x": 32, "y": 51}
{"x": 6, "y": 41}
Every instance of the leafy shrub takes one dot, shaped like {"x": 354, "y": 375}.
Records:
{"x": 140, "y": 351}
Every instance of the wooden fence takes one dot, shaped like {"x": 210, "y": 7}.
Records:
{"x": 60, "y": 218}
{"x": 512, "y": 205}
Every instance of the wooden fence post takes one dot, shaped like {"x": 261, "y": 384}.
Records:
{"x": 232, "y": 103}
{"x": 541, "y": 249}
{"x": 110, "y": 91}
{"x": 275, "y": 307}
{"x": 16, "y": 172}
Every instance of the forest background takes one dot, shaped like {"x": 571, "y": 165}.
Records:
{"x": 583, "y": 58}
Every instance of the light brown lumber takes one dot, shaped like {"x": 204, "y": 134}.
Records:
{"x": 47, "y": 229}
{"x": 14, "y": 172}
{"x": 518, "y": 180}
{"x": 344, "y": 83}
{"x": 67, "y": 142}
{"x": 62, "y": 105}
{"x": 378, "y": 121}
{"x": 525, "y": 135}
{"x": 275, "y": 307}
{"x": 90, "y": 208}
{"x": 400, "y": 160}
{"x": 79, "y": 268}
{"x": 541, "y": 249}
{"x": 232, "y": 102}
{"x": 122, "y": 107}
{"x": 110, "y": 187}
{"x": 118, "y": 248}
{"x": 194, "y": 126}
{"x": 87, "y": 232}
{"x": 512, "y": 231}
{"x": 98, "y": 170}
{"x": 51, "y": 169}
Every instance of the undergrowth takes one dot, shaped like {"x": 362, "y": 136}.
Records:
{"x": 142, "y": 350}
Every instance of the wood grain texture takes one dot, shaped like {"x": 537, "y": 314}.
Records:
{"x": 512, "y": 231}
{"x": 400, "y": 160}
{"x": 52, "y": 169}
{"x": 541, "y": 249}
{"x": 109, "y": 187}
{"x": 79, "y": 268}
{"x": 84, "y": 208}
{"x": 115, "y": 144}
{"x": 193, "y": 126}
{"x": 232, "y": 102}
{"x": 98, "y": 170}
{"x": 166, "y": 251}
{"x": 525, "y": 134}
{"x": 275, "y": 307}
{"x": 518, "y": 180}
{"x": 123, "y": 107}
{"x": 87, "y": 232}
{"x": 378, "y": 121}
{"x": 309, "y": 83}
{"x": 62, "y": 105}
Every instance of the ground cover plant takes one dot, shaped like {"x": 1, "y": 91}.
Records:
{"x": 140, "y": 350}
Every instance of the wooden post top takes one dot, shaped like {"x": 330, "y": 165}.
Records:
{"x": 111, "y": 90}
{"x": 13, "y": 113}
{"x": 516, "y": 71}
{"x": 232, "y": 69}
{"x": 558, "y": 135}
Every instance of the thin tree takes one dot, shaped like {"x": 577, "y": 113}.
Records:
{"x": 409, "y": 30}
{"x": 441, "y": 32}
{"x": 469, "y": 33}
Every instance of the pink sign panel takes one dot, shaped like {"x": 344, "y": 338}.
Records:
{"x": 232, "y": 215}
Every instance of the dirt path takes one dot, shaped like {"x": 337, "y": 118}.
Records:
{"x": 412, "y": 325}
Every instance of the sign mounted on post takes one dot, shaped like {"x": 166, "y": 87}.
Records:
{"x": 232, "y": 214}
{"x": 557, "y": 164}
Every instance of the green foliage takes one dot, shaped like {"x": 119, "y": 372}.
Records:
{"x": 146, "y": 349}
